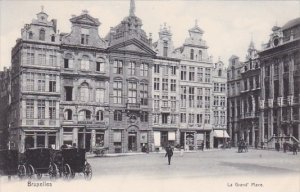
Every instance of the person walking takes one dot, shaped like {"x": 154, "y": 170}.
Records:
{"x": 295, "y": 148}
{"x": 169, "y": 153}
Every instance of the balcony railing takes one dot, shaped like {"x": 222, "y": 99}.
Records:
{"x": 165, "y": 108}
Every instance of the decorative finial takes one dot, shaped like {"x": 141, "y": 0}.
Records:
{"x": 132, "y": 8}
{"x": 42, "y": 8}
{"x": 196, "y": 23}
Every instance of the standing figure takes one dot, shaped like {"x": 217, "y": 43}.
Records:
{"x": 169, "y": 153}
{"x": 295, "y": 148}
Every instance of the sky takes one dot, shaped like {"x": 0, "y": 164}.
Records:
{"x": 228, "y": 26}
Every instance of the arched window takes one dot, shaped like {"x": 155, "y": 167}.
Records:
{"x": 53, "y": 38}
{"x": 84, "y": 92}
{"x": 200, "y": 55}
{"x": 192, "y": 54}
{"x": 220, "y": 72}
{"x": 30, "y": 35}
{"x": 42, "y": 35}
{"x": 99, "y": 116}
{"x": 68, "y": 114}
{"x": 85, "y": 63}
{"x": 84, "y": 115}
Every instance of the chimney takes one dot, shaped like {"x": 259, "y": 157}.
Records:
{"x": 54, "y": 21}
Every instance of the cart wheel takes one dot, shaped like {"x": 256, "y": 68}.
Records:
{"x": 67, "y": 171}
{"x": 88, "y": 173}
{"x": 53, "y": 171}
{"x": 21, "y": 171}
{"x": 30, "y": 171}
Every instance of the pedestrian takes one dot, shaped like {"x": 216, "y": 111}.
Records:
{"x": 284, "y": 147}
{"x": 169, "y": 153}
{"x": 181, "y": 151}
{"x": 277, "y": 146}
{"x": 295, "y": 148}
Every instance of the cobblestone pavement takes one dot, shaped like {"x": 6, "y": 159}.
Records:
{"x": 212, "y": 170}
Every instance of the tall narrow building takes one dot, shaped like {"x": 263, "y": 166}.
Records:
{"x": 131, "y": 61}
{"x": 35, "y": 83}
{"x": 165, "y": 92}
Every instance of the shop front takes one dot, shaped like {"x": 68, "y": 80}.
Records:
{"x": 164, "y": 138}
{"x": 220, "y": 138}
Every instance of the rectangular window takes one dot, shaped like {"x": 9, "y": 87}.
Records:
{"x": 216, "y": 87}
{"x": 183, "y": 73}
{"x": 85, "y": 39}
{"x": 207, "y": 75}
{"x": 207, "y": 119}
{"x": 165, "y": 101}
{"x": 132, "y": 92}
{"x": 165, "y": 118}
{"x": 216, "y": 101}
{"x": 41, "y": 80}
{"x": 117, "y": 92}
{"x": 173, "y": 70}
{"x": 68, "y": 63}
{"x": 191, "y": 97}
{"x": 41, "y": 109}
{"x": 199, "y": 118}
{"x": 199, "y": 97}
{"x": 52, "y": 109}
{"x": 156, "y": 83}
{"x": 118, "y": 67}
{"x": 118, "y": 115}
{"x": 222, "y": 102}
{"x": 144, "y": 93}
{"x": 30, "y": 109}
{"x": 100, "y": 94}
{"x": 30, "y": 59}
{"x": 29, "y": 81}
{"x": 52, "y": 60}
{"x": 182, "y": 117}
{"x": 165, "y": 84}
{"x": 131, "y": 68}
{"x": 144, "y": 69}
{"x": 223, "y": 87}
{"x": 200, "y": 74}
{"x": 156, "y": 68}
{"x": 173, "y": 85}
{"x": 42, "y": 59}
{"x": 191, "y": 118}
{"x": 192, "y": 74}
{"x": 144, "y": 116}
{"x": 52, "y": 83}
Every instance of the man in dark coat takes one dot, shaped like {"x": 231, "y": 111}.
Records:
{"x": 169, "y": 153}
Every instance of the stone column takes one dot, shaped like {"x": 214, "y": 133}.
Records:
{"x": 280, "y": 78}
{"x": 253, "y": 134}
{"x": 75, "y": 136}
{"x": 291, "y": 75}
{"x": 47, "y": 82}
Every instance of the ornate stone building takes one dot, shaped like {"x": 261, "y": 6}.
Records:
{"x": 234, "y": 81}
{"x": 165, "y": 91}
{"x": 84, "y": 85}
{"x": 219, "y": 107}
{"x": 131, "y": 61}
{"x": 35, "y": 85}
{"x": 5, "y": 100}
{"x": 280, "y": 76}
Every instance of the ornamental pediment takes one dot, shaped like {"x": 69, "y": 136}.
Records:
{"x": 133, "y": 45}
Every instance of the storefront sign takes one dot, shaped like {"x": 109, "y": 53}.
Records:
{"x": 156, "y": 138}
{"x": 171, "y": 135}
{"x": 117, "y": 136}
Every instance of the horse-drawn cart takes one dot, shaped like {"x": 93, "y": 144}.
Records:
{"x": 74, "y": 161}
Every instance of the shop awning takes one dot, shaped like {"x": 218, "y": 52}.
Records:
{"x": 221, "y": 133}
